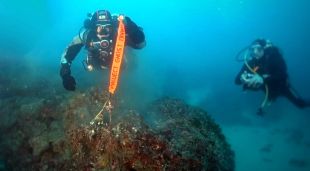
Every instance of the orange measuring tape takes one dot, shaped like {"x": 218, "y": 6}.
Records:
{"x": 115, "y": 69}
{"x": 118, "y": 55}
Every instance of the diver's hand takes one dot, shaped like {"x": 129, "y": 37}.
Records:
{"x": 255, "y": 81}
{"x": 245, "y": 77}
{"x": 69, "y": 82}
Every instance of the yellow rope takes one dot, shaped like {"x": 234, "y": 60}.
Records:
{"x": 254, "y": 72}
{"x": 108, "y": 107}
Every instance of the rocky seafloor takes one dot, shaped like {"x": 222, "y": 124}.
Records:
{"x": 43, "y": 129}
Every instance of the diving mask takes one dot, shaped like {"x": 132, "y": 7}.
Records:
{"x": 257, "y": 51}
{"x": 104, "y": 30}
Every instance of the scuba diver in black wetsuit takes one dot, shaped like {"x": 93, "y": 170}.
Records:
{"x": 98, "y": 36}
{"x": 265, "y": 69}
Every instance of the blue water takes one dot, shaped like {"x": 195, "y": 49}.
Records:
{"x": 190, "y": 54}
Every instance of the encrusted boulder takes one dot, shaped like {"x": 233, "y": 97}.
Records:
{"x": 44, "y": 129}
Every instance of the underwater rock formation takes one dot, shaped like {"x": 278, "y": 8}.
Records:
{"x": 192, "y": 133}
{"x": 49, "y": 130}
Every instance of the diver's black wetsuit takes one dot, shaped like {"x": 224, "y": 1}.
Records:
{"x": 273, "y": 64}
{"x": 99, "y": 39}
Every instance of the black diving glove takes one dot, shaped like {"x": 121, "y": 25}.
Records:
{"x": 67, "y": 80}
{"x": 135, "y": 33}
{"x": 69, "y": 83}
